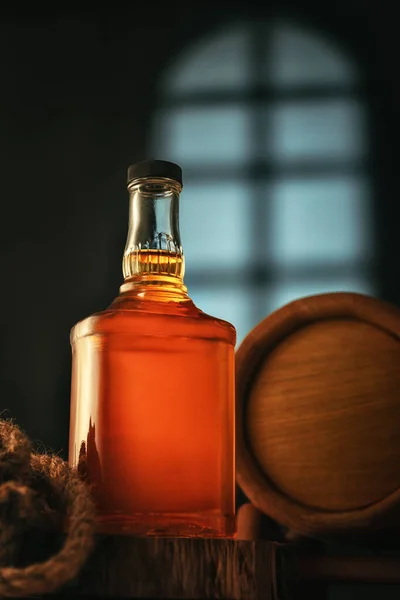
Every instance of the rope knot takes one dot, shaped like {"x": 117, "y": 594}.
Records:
{"x": 15, "y": 452}
{"x": 16, "y": 503}
{"x": 40, "y": 492}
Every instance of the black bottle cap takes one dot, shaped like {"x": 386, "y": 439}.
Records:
{"x": 155, "y": 168}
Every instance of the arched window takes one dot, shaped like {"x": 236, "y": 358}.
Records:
{"x": 268, "y": 125}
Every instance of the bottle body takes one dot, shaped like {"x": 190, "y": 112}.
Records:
{"x": 152, "y": 416}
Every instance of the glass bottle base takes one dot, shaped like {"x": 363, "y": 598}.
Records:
{"x": 193, "y": 525}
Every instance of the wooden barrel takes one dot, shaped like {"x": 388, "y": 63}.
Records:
{"x": 318, "y": 415}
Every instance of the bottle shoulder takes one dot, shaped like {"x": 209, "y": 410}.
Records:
{"x": 161, "y": 319}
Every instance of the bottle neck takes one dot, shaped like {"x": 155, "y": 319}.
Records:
{"x": 153, "y": 263}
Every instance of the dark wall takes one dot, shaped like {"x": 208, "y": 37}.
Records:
{"x": 77, "y": 93}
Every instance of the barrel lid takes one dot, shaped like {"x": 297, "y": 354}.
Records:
{"x": 318, "y": 412}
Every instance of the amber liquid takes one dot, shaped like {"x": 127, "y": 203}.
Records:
{"x": 152, "y": 413}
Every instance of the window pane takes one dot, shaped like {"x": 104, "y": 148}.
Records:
{"x": 204, "y": 136}
{"x": 315, "y": 130}
{"x": 219, "y": 62}
{"x": 231, "y": 303}
{"x": 286, "y": 291}
{"x": 215, "y": 227}
{"x": 301, "y": 58}
{"x": 324, "y": 220}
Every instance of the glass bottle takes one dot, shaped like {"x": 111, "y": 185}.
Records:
{"x": 152, "y": 388}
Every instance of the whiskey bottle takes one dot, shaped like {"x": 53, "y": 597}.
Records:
{"x": 152, "y": 388}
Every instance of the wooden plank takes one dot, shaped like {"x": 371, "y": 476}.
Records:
{"x": 123, "y": 566}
